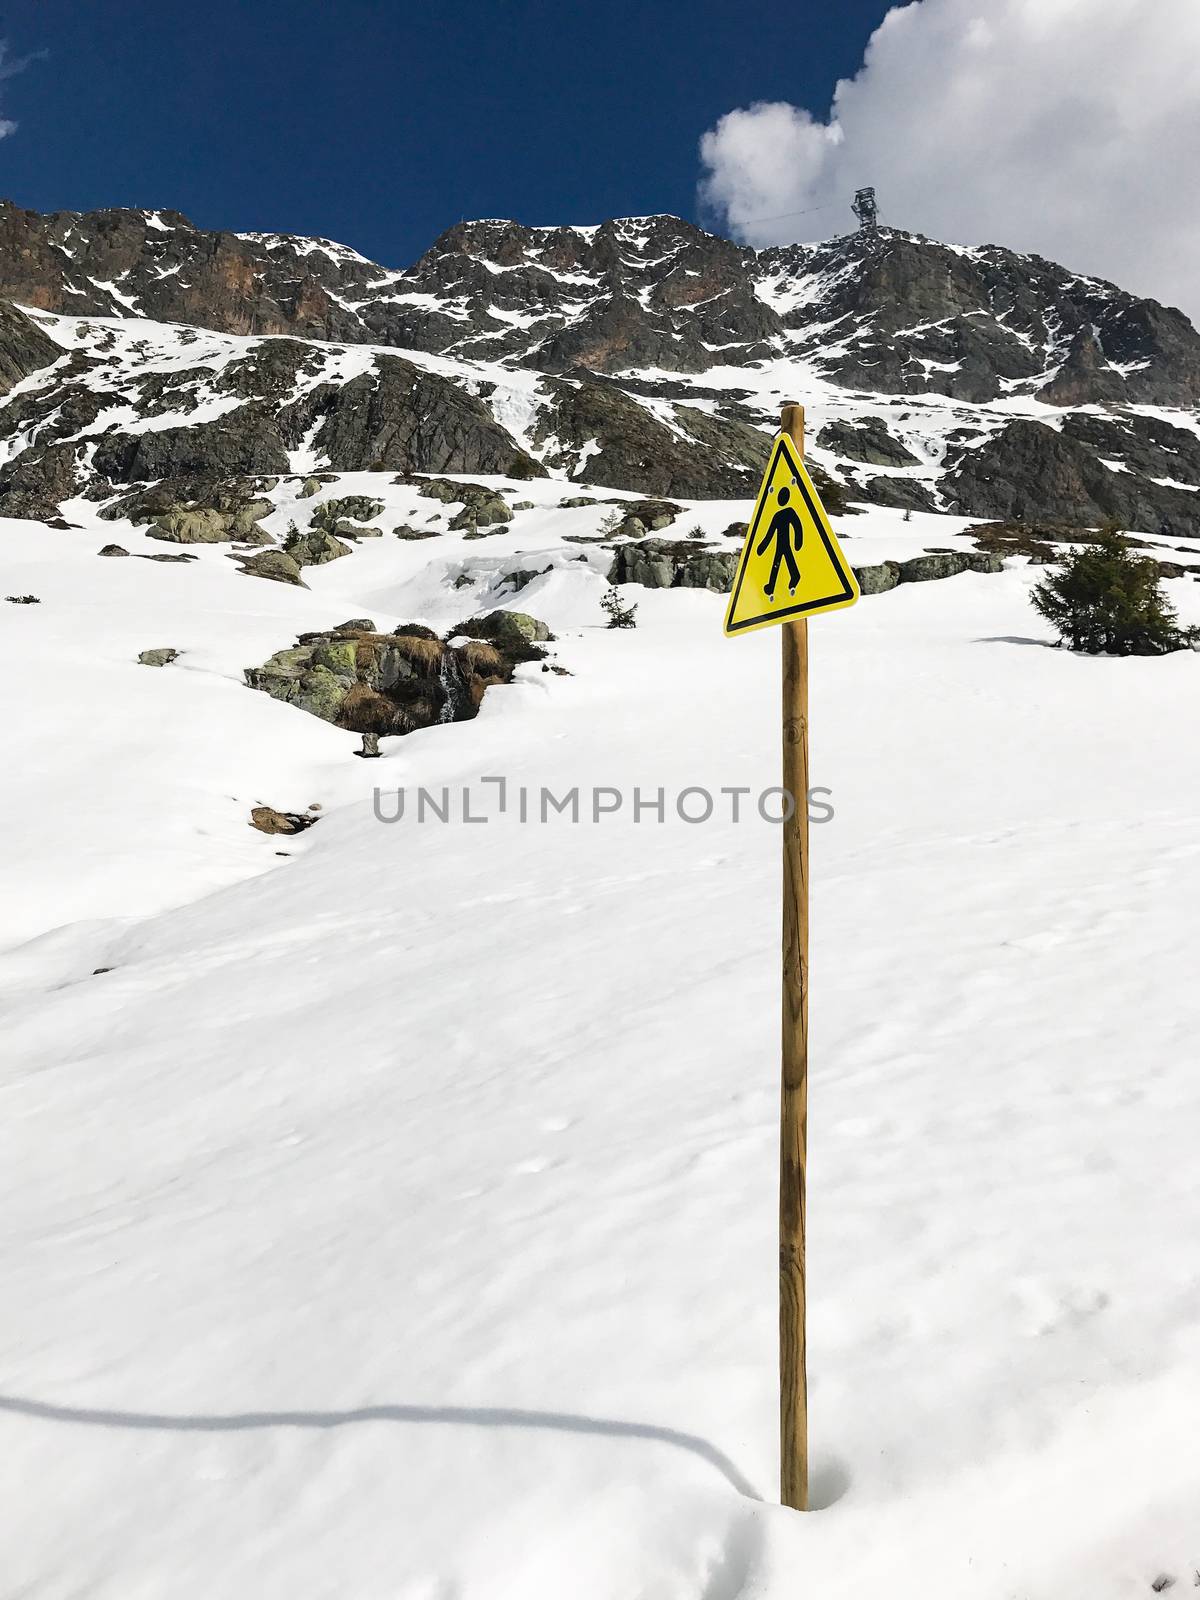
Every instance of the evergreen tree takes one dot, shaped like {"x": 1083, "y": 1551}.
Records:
{"x": 1107, "y": 599}
{"x": 619, "y": 616}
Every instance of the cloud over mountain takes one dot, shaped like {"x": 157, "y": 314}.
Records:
{"x": 1057, "y": 126}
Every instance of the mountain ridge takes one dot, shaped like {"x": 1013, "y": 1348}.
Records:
{"x": 910, "y": 314}
{"x": 639, "y": 353}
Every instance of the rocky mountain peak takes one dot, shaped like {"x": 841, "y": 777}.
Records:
{"x": 640, "y": 353}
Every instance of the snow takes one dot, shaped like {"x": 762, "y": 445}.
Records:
{"x": 397, "y": 1216}
{"x": 118, "y": 295}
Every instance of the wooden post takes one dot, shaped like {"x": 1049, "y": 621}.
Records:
{"x": 793, "y": 1124}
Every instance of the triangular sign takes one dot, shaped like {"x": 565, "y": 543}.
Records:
{"x": 792, "y": 565}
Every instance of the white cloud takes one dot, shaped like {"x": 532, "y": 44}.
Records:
{"x": 10, "y": 66}
{"x": 1066, "y": 127}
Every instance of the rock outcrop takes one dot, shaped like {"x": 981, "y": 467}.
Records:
{"x": 1030, "y": 470}
{"x": 388, "y": 683}
{"x": 674, "y": 564}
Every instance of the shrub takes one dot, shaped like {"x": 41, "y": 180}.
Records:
{"x": 1106, "y": 599}
{"x": 482, "y": 658}
{"x": 619, "y": 615}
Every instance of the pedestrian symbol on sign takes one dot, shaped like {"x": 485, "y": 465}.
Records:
{"x": 785, "y": 528}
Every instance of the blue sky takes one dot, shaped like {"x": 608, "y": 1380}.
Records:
{"x": 381, "y": 124}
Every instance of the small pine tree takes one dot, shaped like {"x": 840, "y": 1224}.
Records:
{"x": 619, "y": 616}
{"x": 1106, "y": 599}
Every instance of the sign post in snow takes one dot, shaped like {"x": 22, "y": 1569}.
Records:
{"x": 791, "y": 568}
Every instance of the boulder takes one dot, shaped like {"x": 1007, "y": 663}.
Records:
{"x": 113, "y": 550}
{"x": 483, "y": 511}
{"x": 651, "y": 515}
{"x": 159, "y": 657}
{"x": 275, "y": 565}
{"x": 314, "y": 547}
{"x": 405, "y": 531}
{"x": 879, "y": 578}
{"x": 943, "y": 564}
{"x": 355, "y": 507}
{"x": 267, "y": 820}
{"x": 507, "y": 629}
{"x": 345, "y": 529}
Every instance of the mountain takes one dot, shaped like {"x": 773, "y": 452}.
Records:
{"x": 643, "y": 354}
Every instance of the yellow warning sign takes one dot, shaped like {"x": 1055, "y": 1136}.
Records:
{"x": 792, "y": 565}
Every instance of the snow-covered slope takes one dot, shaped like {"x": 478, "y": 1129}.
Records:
{"x": 395, "y": 1215}
{"x": 388, "y": 1208}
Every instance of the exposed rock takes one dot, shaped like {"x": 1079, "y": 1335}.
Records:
{"x": 159, "y": 657}
{"x": 670, "y": 564}
{"x": 267, "y": 820}
{"x": 936, "y": 564}
{"x": 405, "y": 531}
{"x": 113, "y": 550}
{"x": 521, "y": 577}
{"x": 372, "y": 683}
{"x": 481, "y": 511}
{"x": 903, "y": 494}
{"x": 868, "y": 441}
{"x": 247, "y": 440}
{"x": 508, "y": 630}
{"x": 640, "y": 517}
{"x": 23, "y": 599}
{"x": 308, "y": 488}
{"x": 948, "y": 564}
{"x": 345, "y": 529}
{"x": 398, "y": 418}
{"x": 481, "y": 507}
{"x": 1086, "y": 376}
{"x": 24, "y": 348}
{"x": 239, "y": 502}
{"x": 1030, "y": 470}
{"x": 206, "y": 525}
{"x": 634, "y": 450}
{"x": 354, "y": 507}
{"x": 35, "y": 484}
{"x": 877, "y": 579}
{"x": 276, "y": 565}
{"x": 314, "y": 547}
